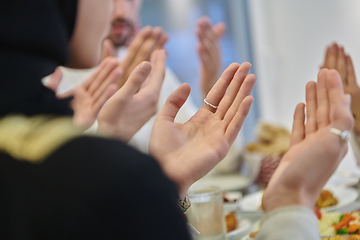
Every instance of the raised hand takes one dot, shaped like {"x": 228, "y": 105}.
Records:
{"x": 315, "y": 152}
{"x": 136, "y": 102}
{"x": 337, "y": 59}
{"x": 209, "y": 52}
{"x": 188, "y": 151}
{"x": 145, "y": 43}
{"x": 91, "y": 95}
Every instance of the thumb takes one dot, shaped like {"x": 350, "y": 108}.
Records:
{"x": 219, "y": 29}
{"x": 175, "y": 102}
{"x": 55, "y": 80}
{"x": 108, "y": 49}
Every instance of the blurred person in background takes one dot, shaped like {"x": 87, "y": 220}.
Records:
{"x": 132, "y": 45}
{"x": 59, "y": 184}
{"x": 336, "y": 58}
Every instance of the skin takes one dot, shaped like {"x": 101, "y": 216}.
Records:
{"x": 314, "y": 153}
{"x": 209, "y": 52}
{"x": 337, "y": 59}
{"x": 209, "y": 133}
{"x": 189, "y": 151}
{"x": 97, "y": 97}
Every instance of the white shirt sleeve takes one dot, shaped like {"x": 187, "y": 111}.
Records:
{"x": 293, "y": 222}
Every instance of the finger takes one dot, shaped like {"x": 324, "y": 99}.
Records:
{"x": 135, "y": 45}
{"x": 323, "y": 106}
{"x": 101, "y": 76}
{"x": 136, "y": 79}
{"x": 93, "y": 76}
{"x": 331, "y": 58}
{"x": 113, "y": 78}
{"x": 154, "y": 81}
{"x": 235, "y": 125}
{"x": 209, "y": 43}
{"x": 327, "y": 57}
{"x": 108, "y": 49}
{"x": 147, "y": 47}
{"x": 341, "y": 64}
{"x": 162, "y": 41}
{"x": 218, "y": 90}
{"x": 233, "y": 90}
{"x": 174, "y": 102}
{"x": 219, "y": 29}
{"x": 108, "y": 93}
{"x": 205, "y": 57}
{"x": 245, "y": 91}
{"x": 55, "y": 80}
{"x": 339, "y": 102}
{"x": 207, "y": 30}
{"x": 311, "y": 106}
{"x": 351, "y": 79}
{"x": 298, "y": 129}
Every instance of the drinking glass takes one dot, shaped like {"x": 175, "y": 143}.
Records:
{"x": 206, "y": 213}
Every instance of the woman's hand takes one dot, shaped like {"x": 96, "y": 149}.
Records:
{"x": 188, "y": 151}
{"x": 136, "y": 102}
{"x": 315, "y": 152}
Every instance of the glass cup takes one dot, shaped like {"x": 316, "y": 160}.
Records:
{"x": 206, "y": 213}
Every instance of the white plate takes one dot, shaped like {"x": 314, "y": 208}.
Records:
{"x": 340, "y": 180}
{"x": 252, "y": 202}
{"x": 226, "y": 182}
{"x": 345, "y": 196}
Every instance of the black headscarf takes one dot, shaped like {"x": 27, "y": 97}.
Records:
{"x": 34, "y": 39}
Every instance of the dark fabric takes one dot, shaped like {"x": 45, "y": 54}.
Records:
{"x": 34, "y": 38}
{"x": 89, "y": 189}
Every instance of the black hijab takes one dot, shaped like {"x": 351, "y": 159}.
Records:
{"x": 34, "y": 39}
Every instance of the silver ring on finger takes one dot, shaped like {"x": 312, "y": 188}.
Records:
{"x": 210, "y": 105}
{"x": 344, "y": 135}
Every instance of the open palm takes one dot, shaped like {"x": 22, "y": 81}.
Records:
{"x": 136, "y": 102}
{"x": 315, "y": 152}
{"x": 188, "y": 151}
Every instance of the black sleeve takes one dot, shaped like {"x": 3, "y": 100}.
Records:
{"x": 98, "y": 189}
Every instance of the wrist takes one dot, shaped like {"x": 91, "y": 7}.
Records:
{"x": 285, "y": 198}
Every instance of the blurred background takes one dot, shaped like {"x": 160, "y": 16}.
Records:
{"x": 179, "y": 18}
{"x": 284, "y": 40}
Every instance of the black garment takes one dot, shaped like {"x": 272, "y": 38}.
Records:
{"x": 89, "y": 189}
{"x": 34, "y": 39}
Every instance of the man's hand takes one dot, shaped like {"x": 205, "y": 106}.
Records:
{"x": 314, "y": 152}
{"x": 209, "y": 52}
{"x": 136, "y": 102}
{"x": 188, "y": 151}
{"x": 336, "y": 58}
{"x": 144, "y": 44}
{"x": 91, "y": 95}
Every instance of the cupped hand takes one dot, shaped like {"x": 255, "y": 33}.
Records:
{"x": 336, "y": 58}
{"x": 209, "y": 52}
{"x": 136, "y": 102}
{"x": 91, "y": 95}
{"x": 188, "y": 151}
{"x": 315, "y": 152}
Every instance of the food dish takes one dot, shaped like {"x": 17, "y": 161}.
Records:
{"x": 226, "y": 183}
{"x": 243, "y": 225}
{"x": 344, "y": 196}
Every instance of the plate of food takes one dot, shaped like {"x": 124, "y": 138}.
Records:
{"x": 236, "y": 226}
{"x": 329, "y": 200}
{"x": 331, "y": 225}
{"x": 232, "y": 201}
